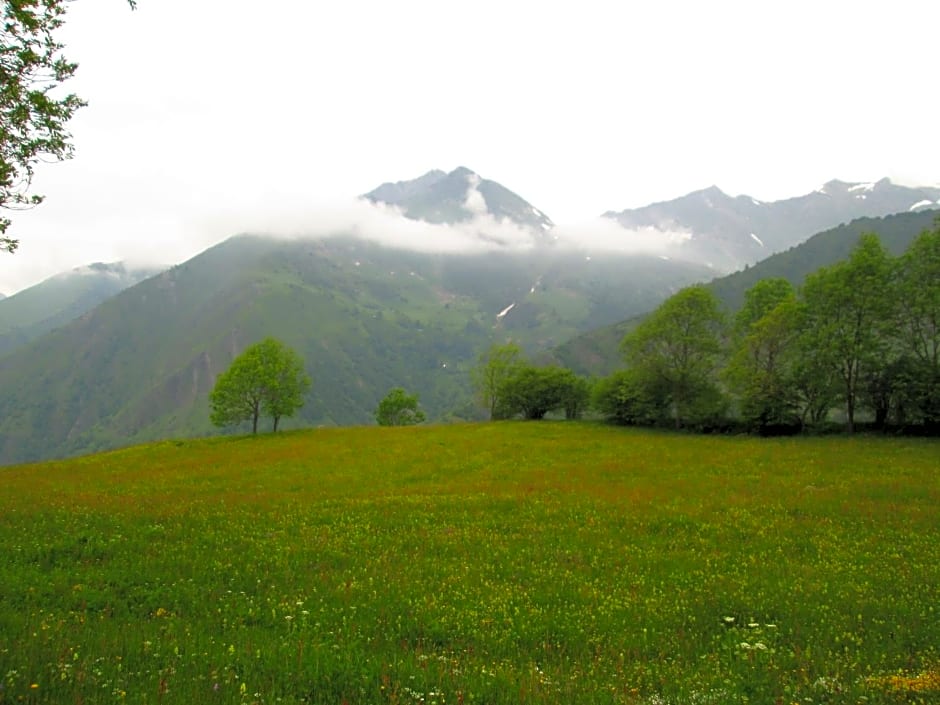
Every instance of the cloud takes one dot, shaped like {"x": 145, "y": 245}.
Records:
{"x": 602, "y": 234}
{"x": 379, "y": 223}
{"x": 386, "y": 225}
{"x": 474, "y": 202}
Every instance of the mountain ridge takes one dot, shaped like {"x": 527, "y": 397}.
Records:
{"x": 735, "y": 231}
{"x": 28, "y": 314}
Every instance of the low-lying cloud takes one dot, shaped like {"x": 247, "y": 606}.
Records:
{"x": 161, "y": 239}
{"x": 388, "y": 226}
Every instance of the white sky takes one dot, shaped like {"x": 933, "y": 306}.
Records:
{"x": 209, "y": 117}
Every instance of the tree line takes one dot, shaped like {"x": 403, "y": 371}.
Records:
{"x": 861, "y": 337}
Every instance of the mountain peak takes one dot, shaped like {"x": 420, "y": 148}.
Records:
{"x": 462, "y": 171}
{"x": 838, "y": 186}
{"x": 459, "y": 196}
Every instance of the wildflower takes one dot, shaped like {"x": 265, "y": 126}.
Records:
{"x": 729, "y": 620}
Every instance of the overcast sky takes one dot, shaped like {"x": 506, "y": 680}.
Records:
{"x": 210, "y": 117}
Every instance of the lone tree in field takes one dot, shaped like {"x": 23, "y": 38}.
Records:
{"x": 33, "y": 112}
{"x": 267, "y": 378}
{"x": 399, "y": 408}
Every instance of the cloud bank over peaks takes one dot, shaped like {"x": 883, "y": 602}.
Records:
{"x": 387, "y": 225}
{"x": 457, "y": 212}
{"x": 382, "y": 224}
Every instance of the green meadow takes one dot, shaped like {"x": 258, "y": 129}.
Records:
{"x": 551, "y": 562}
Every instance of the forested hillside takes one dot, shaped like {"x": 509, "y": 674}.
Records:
{"x": 859, "y": 340}
{"x": 598, "y": 352}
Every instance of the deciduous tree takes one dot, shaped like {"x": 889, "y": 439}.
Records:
{"x": 918, "y": 296}
{"x": 33, "y": 115}
{"x": 494, "y": 367}
{"x": 761, "y": 369}
{"x": 535, "y": 391}
{"x": 677, "y": 348}
{"x": 267, "y": 378}
{"x": 399, "y": 408}
{"x": 848, "y": 306}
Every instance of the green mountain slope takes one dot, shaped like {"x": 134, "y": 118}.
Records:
{"x": 28, "y": 314}
{"x": 597, "y": 352}
{"x": 364, "y": 317}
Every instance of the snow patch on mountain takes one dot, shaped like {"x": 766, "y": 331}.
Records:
{"x": 862, "y": 187}
{"x": 921, "y": 204}
{"x": 757, "y": 240}
{"x": 506, "y": 310}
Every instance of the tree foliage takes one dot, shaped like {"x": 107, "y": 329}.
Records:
{"x": 847, "y": 307}
{"x": 535, "y": 391}
{"x": 33, "y": 116}
{"x": 917, "y": 291}
{"x": 864, "y": 333}
{"x": 677, "y": 351}
{"x": 626, "y": 397}
{"x": 399, "y": 408}
{"x": 267, "y": 378}
{"x": 761, "y": 368}
{"x": 494, "y": 367}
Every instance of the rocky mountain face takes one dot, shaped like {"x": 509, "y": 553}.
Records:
{"x": 731, "y": 232}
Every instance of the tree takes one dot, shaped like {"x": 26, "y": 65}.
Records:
{"x": 625, "y": 398}
{"x": 267, "y": 378}
{"x": 848, "y": 306}
{"x": 918, "y": 295}
{"x": 535, "y": 391}
{"x": 32, "y": 116}
{"x": 494, "y": 367}
{"x": 760, "y": 300}
{"x": 577, "y": 396}
{"x": 761, "y": 366}
{"x": 399, "y": 408}
{"x": 676, "y": 350}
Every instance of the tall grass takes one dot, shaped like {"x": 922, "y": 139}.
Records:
{"x": 493, "y": 563}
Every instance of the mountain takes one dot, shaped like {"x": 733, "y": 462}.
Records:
{"x": 457, "y": 197}
{"x": 365, "y": 317}
{"x": 730, "y": 232}
{"x": 28, "y": 314}
{"x": 597, "y": 352}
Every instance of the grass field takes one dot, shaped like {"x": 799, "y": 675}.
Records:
{"x": 492, "y": 563}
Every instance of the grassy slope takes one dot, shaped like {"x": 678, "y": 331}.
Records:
{"x": 496, "y": 563}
